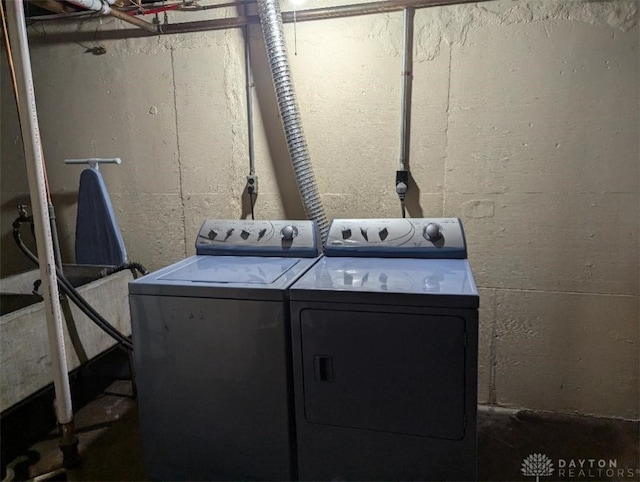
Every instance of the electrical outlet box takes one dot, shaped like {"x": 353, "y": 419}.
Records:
{"x": 252, "y": 184}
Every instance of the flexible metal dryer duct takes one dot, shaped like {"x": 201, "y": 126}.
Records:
{"x": 273, "y": 32}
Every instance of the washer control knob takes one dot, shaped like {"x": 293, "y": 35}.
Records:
{"x": 346, "y": 233}
{"x": 432, "y": 232}
{"x": 289, "y": 232}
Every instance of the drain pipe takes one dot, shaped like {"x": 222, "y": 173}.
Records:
{"x": 273, "y": 32}
{"x": 37, "y": 189}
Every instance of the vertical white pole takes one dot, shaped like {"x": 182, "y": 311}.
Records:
{"x": 37, "y": 190}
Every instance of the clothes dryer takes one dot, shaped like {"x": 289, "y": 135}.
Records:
{"x": 385, "y": 341}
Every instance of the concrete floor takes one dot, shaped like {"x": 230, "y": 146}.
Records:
{"x": 110, "y": 445}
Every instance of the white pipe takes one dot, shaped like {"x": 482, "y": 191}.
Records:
{"x": 37, "y": 190}
{"x": 95, "y": 5}
{"x": 103, "y": 7}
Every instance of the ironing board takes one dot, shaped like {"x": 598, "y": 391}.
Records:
{"x": 98, "y": 238}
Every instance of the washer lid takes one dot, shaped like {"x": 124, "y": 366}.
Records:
{"x": 226, "y": 269}
{"x": 238, "y": 277}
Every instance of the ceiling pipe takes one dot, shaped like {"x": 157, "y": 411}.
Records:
{"x": 104, "y": 7}
{"x": 385, "y": 6}
{"x": 341, "y": 11}
{"x": 95, "y": 5}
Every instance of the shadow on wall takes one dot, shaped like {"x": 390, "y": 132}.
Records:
{"x": 278, "y": 151}
{"x": 412, "y": 201}
{"x": 246, "y": 204}
{"x": 66, "y": 206}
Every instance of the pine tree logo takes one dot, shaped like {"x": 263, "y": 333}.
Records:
{"x": 537, "y": 465}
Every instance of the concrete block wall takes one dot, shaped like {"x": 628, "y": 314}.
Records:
{"x": 525, "y": 125}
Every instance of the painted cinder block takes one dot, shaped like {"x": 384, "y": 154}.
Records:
{"x": 552, "y": 242}
{"x": 568, "y": 352}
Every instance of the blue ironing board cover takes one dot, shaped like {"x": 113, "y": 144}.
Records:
{"x": 98, "y": 238}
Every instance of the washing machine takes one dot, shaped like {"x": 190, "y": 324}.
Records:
{"x": 385, "y": 341}
{"x": 212, "y": 353}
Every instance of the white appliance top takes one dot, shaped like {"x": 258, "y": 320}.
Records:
{"x": 236, "y": 258}
{"x": 383, "y": 275}
{"x": 240, "y": 277}
{"x": 227, "y": 269}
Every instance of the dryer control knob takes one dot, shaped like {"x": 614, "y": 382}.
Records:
{"x": 432, "y": 232}
{"x": 289, "y": 232}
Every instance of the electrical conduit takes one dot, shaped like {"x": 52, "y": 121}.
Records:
{"x": 402, "y": 175}
{"x": 273, "y": 32}
{"x": 37, "y": 188}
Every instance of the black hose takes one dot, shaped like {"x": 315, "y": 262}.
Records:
{"x": 88, "y": 310}
{"x": 73, "y": 294}
{"x": 114, "y": 269}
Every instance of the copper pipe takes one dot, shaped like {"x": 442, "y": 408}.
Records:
{"x": 149, "y": 27}
{"x": 69, "y": 445}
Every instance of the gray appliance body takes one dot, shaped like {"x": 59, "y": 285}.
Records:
{"x": 212, "y": 357}
{"x": 385, "y": 357}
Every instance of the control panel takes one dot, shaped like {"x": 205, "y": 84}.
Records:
{"x": 240, "y": 237}
{"x": 397, "y": 238}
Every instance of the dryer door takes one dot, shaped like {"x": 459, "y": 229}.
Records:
{"x": 391, "y": 372}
